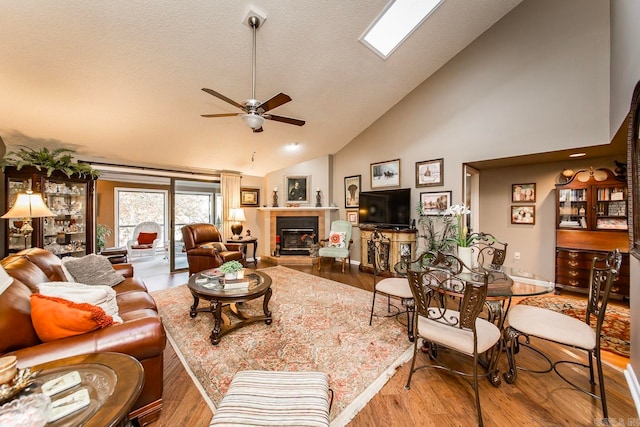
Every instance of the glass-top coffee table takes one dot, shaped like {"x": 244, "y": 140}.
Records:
{"x": 206, "y": 285}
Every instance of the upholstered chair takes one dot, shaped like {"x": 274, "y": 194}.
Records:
{"x": 145, "y": 239}
{"x": 205, "y": 248}
{"x": 338, "y": 245}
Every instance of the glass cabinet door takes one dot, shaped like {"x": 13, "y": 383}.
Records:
{"x": 65, "y": 234}
{"x": 17, "y": 239}
{"x": 572, "y": 208}
{"x": 611, "y": 208}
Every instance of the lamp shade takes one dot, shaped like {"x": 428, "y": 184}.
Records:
{"x": 28, "y": 205}
{"x": 237, "y": 214}
{"x": 253, "y": 120}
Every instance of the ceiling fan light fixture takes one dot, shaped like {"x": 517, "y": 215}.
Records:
{"x": 253, "y": 120}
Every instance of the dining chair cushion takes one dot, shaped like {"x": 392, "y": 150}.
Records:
{"x": 552, "y": 325}
{"x": 395, "y": 286}
{"x": 458, "y": 339}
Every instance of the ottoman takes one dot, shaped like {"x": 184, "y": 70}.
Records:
{"x": 268, "y": 398}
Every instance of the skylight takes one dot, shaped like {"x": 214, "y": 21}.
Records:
{"x": 396, "y": 23}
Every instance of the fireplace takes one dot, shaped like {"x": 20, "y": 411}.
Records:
{"x": 292, "y": 232}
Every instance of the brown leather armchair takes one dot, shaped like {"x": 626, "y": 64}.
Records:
{"x": 202, "y": 254}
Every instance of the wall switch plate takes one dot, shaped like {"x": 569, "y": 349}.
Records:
{"x": 516, "y": 255}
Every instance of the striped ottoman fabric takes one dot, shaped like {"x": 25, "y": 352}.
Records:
{"x": 266, "y": 398}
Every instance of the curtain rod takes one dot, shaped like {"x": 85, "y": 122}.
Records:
{"x": 142, "y": 169}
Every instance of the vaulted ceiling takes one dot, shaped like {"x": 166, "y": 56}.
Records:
{"x": 120, "y": 81}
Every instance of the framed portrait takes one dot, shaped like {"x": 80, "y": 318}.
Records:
{"x": 249, "y": 197}
{"x": 385, "y": 174}
{"x": 435, "y": 202}
{"x": 297, "y": 188}
{"x": 352, "y": 187}
{"x": 353, "y": 217}
{"x": 430, "y": 173}
{"x": 523, "y": 214}
{"x": 523, "y": 193}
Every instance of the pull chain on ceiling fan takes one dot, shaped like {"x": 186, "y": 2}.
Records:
{"x": 253, "y": 110}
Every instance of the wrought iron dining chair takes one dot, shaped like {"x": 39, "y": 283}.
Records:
{"x": 397, "y": 287}
{"x": 528, "y": 321}
{"x": 487, "y": 250}
{"x": 453, "y": 324}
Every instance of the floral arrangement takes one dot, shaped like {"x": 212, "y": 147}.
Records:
{"x": 463, "y": 238}
{"x": 437, "y": 231}
{"x": 308, "y": 238}
{"x": 231, "y": 267}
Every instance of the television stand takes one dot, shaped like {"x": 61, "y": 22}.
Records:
{"x": 403, "y": 241}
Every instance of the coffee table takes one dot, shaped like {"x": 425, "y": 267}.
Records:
{"x": 219, "y": 298}
{"x": 114, "y": 382}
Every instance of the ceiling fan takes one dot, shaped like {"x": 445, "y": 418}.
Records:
{"x": 253, "y": 111}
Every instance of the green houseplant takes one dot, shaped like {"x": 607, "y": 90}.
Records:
{"x": 60, "y": 159}
{"x": 435, "y": 232}
{"x": 230, "y": 269}
{"x": 102, "y": 232}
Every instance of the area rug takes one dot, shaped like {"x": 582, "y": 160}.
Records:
{"x": 318, "y": 325}
{"x": 616, "y": 333}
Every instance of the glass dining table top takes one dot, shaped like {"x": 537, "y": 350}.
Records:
{"x": 503, "y": 281}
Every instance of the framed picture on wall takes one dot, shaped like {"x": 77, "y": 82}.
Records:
{"x": 435, "y": 202}
{"x": 523, "y": 193}
{"x": 352, "y": 187}
{"x": 353, "y": 217}
{"x": 385, "y": 174}
{"x": 249, "y": 197}
{"x": 297, "y": 188}
{"x": 430, "y": 173}
{"x": 523, "y": 214}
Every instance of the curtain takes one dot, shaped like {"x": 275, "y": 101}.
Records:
{"x": 230, "y": 189}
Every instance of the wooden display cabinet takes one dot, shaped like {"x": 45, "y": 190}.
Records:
{"x": 71, "y": 232}
{"x": 403, "y": 242}
{"x": 591, "y": 219}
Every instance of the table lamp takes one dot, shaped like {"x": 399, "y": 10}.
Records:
{"x": 236, "y": 215}
{"x": 28, "y": 205}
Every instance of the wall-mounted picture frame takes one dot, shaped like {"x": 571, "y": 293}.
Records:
{"x": 430, "y": 173}
{"x": 523, "y": 193}
{"x": 523, "y": 214}
{"x": 249, "y": 197}
{"x": 385, "y": 174}
{"x": 353, "y": 216}
{"x": 435, "y": 202}
{"x": 297, "y": 188}
{"x": 352, "y": 186}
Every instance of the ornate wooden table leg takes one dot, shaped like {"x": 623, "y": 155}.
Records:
{"x": 194, "y": 307}
{"x": 216, "y": 309}
{"x": 265, "y": 307}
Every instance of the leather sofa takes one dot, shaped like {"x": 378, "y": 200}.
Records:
{"x": 141, "y": 334}
{"x": 202, "y": 254}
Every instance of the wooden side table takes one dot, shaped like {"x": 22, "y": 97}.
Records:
{"x": 245, "y": 242}
{"x": 114, "y": 382}
{"x": 115, "y": 255}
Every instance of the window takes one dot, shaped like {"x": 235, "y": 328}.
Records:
{"x": 192, "y": 207}
{"x": 134, "y": 206}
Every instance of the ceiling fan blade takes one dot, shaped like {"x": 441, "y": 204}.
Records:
{"x": 288, "y": 120}
{"x": 275, "y": 101}
{"x": 220, "y": 115}
{"x": 258, "y": 130}
{"x": 224, "y": 98}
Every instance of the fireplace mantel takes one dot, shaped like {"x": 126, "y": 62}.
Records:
{"x": 301, "y": 208}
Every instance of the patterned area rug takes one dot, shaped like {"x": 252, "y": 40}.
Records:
{"x": 318, "y": 325}
{"x": 616, "y": 333}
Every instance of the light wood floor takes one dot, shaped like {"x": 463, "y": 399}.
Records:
{"x": 436, "y": 398}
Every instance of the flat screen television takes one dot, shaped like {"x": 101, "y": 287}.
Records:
{"x": 386, "y": 208}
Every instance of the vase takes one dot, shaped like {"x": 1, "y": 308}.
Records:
{"x": 465, "y": 255}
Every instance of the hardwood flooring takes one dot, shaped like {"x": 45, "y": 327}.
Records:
{"x": 436, "y": 398}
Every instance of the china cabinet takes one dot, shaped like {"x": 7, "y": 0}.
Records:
{"x": 70, "y": 232}
{"x": 591, "y": 219}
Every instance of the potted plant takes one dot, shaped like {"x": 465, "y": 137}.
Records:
{"x": 435, "y": 231}
{"x": 102, "y": 232}
{"x": 230, "y": 269}
{"x": 60, "y": 159}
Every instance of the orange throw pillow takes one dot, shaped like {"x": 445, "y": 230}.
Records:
{"x": 54, "y": 318}
{"x": 146, "y": 238}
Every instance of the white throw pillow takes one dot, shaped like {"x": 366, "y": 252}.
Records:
{"x": 337, "y": 239}
{"x": 101, "y": 296}
{"x": 91, "y": 269}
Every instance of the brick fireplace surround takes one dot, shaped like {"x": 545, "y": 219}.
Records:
{"x": 268, "y": 218}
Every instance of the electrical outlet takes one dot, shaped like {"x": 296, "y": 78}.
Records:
{"x": 516, "y": 255}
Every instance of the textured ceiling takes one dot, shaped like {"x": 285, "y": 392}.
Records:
{"x": 120, "y": 81}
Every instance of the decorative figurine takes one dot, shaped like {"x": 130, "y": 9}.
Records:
{"x": 318, "y": 199}
{"x": 275, "y": 198}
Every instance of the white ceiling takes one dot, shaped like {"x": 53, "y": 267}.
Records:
{"x": 120, "y": 81}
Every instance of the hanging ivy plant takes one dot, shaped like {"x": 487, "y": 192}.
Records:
{"x": 60, "y": 159}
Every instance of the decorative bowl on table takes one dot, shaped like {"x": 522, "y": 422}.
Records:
{"x": 30, "y": 410}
